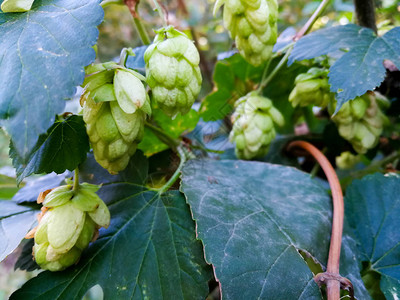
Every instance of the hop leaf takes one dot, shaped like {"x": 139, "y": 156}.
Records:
{"x": 253, "y": 125}
{"x": 67, "y": 224}
{"x": 252, "y": 24}
{"x": 173, "y": 73}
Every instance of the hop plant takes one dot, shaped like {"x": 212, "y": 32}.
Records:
{"x": 115, "y": 104}
{"x": 311, "y": 88}
{"x": 69, "y": 220}
{"x": 253, "y": 26}
{"x": 360, "y": 121}
{"x": 173, "y": 73}
{"x": 253, "y": 125}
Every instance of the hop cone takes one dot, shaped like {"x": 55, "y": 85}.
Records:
{"x": 360, "y": 121}
{"x": 16, "y": 5}
{"x": 69, "y": 221}
{"x": 115, "y": 104}
{"x": 173, "y": 73}
{"x": 311, "y": 88}
{"x": 253, "y": 26}
{"x": 253, "y": 125}
{"x": 347, "y": 160}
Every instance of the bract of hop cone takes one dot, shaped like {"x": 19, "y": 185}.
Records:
{"x": 69, "y": 221}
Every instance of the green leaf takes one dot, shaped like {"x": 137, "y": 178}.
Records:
{"x": 360, "y": 68}
{"x": 8, "y": 187}
{"x": 63, "y": 147}
{"x": 149, "y": 251}
{"x": 373, "y": 209}
{"x": 151, "y": 144}
{"x": 253, "y": 218}
{"x": 42, "y": 55}
{"x": 15, "y": 221}
{"x": 232, "y": 79}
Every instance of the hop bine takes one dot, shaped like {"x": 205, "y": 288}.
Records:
{"x": 173, "y": 73}
{"x": 253, "y": 125}
{"x": 115, "y": 105}
{"x": 311, "y": 88}
{"x": 253, "y": 26}
{"x": 69, "y": 221}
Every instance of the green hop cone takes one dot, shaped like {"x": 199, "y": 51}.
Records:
{"x": 253, "y": 125}
{"x": 360, "y": 121}
{"x": 69, "y": 221}
{"x": 347, "y": 160}
{"x": 253, "y": 26}
{"x": 311, "y": 88}
{"x": 115, "y": 105}
{"x": 16, "y": 5}
{"x": 173, "y": 73}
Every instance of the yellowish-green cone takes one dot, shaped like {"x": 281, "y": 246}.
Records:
{"x": 172, "y": 71}
{"x": 115, "y": 105}
{"x": 253, "y": 125}
{"x": 253, "y": 26}
{"x": 311, "y": 88}
{"x": 360, "y": 121}
{"x": 67, "y": 225}
{"x": 16, "y": 5}
{"x": 347, "y": 160}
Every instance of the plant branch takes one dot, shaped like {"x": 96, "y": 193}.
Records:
{"x": 365, "y": 12}
{"x": 331, "y": 277}
{"x": 271, "y": 75}
{"x": 133, "y": 9}
{"x": 175, "y": 176}
{"x": 165, "y": 138}
{"x": 76, "y": 180}
{"x": 161, "y": 13}
{"x": 307, "y": 27}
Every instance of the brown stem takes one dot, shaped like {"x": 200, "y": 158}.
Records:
{"x": 307, "y": 27}
{"x": 365, "y": 12}
{"x": 332, "y": 272}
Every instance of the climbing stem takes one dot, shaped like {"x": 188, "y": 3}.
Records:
{"x": 76, "y": 179}
{"x": 317, "y": 13}
{"x": 271, "y": 75}
{"x": 331, "y": 277}
{"x": 133, "y": 6}
{"x": 175, "y": 176}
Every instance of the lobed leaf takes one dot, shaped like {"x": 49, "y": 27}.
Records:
{"x": 373, "y": 209}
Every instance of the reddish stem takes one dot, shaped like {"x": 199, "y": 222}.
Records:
{"x": 332, "y": 283}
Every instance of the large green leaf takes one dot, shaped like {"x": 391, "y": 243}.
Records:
{"x": 361, "y": 67}
{"x": 233, "y": 77}
{"x": 149, "y": 251}
{"x": 63, "y": 147}
{"x": 253, "y": 218}
{"x": 15, "y": 221}
{"x": 373, "y": 210}
{"x": 42, "y": 55}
